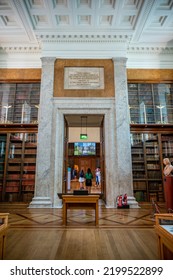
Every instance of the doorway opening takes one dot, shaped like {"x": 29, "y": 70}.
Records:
{"x": 84, "y": 148}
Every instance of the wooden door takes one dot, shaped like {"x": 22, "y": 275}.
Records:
{"x": 85, "y": 163}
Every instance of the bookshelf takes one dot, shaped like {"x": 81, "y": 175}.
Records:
{"x": 148, "y": 151}
{"x": 19, "y": 103}
{"x": 150, "y": 103}
{"x": 29, "y": 166}
{"x": 2, "y": 160}
{"x": 18, "y": 164}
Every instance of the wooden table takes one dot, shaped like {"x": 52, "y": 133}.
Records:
{"x": 80, "y": 201}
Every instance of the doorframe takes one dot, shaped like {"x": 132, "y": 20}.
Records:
{"x": 101, "y": 155}
{"x": 72, "y": 106}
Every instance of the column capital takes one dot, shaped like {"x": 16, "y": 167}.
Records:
{"x": 48, "y": 60}
{"x": 119, "y": 60}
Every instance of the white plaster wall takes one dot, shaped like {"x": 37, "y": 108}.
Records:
{"x": 92, "y": 132}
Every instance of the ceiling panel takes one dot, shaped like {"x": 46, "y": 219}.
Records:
{"x": 92, "y": 15}
{"x": 30, "y": 22}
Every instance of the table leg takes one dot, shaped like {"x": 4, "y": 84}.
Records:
{"x": 96, "y": 213}
{"x": 65, "y": 214}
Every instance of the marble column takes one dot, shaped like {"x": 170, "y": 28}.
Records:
{"x": 42, "y": 197}
{"x": 122, "y": 130}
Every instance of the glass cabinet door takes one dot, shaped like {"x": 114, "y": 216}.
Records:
{"x": 150, "y": 103}
{"x": 13, "y": 169}
{"x": 154, "y": 171}
{"x": 146, "y": 167}
{"x": 3, "y": 138}
{"x": 167, "y": 146}
{"x": 17, "y": 166}
{"x": 29, "y": 166}
{"x": 138, "y": 166}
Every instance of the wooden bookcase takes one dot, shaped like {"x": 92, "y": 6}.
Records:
{"x": 149, "y": 146}
{"x": 17, "y": 164}
{"x": 22, "y": 100}
{"x": 3, "y": 138}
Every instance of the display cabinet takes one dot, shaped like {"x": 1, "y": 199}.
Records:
{"x": 164, "y": 231}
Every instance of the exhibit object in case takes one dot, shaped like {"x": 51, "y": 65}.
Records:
{"x": 164, "y": 230}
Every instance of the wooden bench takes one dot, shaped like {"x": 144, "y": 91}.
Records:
{"x": 3, "y": 231}
{"x": 80, "y": 201}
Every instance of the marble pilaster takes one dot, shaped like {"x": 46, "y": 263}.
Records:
{"x": 43, "y": 181}
{"x": 122, "y": 130}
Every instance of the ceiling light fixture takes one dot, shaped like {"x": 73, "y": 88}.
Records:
{"x": 83, "y": 136}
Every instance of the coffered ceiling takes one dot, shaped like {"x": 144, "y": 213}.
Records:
{"x": 141, "y": 30}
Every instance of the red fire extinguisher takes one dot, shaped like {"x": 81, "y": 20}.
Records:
{"x": 125, "y": 199}
{"x": 119, "y": 202}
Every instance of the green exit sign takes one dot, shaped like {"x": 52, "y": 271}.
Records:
{"x": 83, "y": 136}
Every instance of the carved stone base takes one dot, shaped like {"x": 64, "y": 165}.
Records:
{"x": 41, "y": 202}
{"x": 131, "y": 200}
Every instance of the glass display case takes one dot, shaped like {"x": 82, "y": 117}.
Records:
{"x": 164, "y": 231}
{"x": 3, "y": 232}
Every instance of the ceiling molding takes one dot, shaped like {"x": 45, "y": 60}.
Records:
{"x": 139, "y": 30}
{"x": 83, "y": 38}
{"x": 20, "y": 49}
{"x": 149, "y": 50}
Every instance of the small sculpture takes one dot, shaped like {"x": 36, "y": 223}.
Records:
{"x": 168, "y": 167}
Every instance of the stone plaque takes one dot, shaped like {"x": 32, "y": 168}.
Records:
{"x": 84, "y": 78}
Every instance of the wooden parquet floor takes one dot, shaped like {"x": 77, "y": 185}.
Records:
{"x": 23, "y": 217}
{"x": 36, "y": 234}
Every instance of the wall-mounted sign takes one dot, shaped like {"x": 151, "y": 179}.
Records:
{"x": 84, "y": 136}
{"x": 83, "y": 78}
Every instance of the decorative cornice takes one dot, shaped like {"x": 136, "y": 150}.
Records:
{"x": 130, "y": 49}
{"x": 82, "y": 38}
{"x": 20, "y": 49}
{"x": 149, "y": 50}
